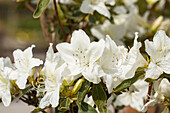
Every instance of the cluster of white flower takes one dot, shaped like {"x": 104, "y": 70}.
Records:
{"x": 95, "y": 61}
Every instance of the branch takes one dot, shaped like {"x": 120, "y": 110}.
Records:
{"x": 29, "y": 7}
{"x": 59, "y": 21}
{"x": 44, "y": 28}
{"x": 149, "y": 93}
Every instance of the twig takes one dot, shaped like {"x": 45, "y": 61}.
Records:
{"x": 58, "y": 19}
{"x": 29, "y": 7}
{"x": 42, "y": 21}
{"x": 149, "y": 93}
{"x": 44, "y": 28}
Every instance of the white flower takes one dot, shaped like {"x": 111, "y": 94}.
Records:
{"x": 116, "y": 32}
{"x": 24, "y": 64}
{"x": 88, "y": 6}
{"x": 135, "y": 96}
{"x": 159, "y": 51}
{"x": 81, "y": 56}
{"x": 161, "y": 89}
{"x": 52, "y": 70}
{"x": 111, "y": 61}
{"x": 134, "y": 59}
{"x": 117, "y": 64}
{"x": 5, "y": 70}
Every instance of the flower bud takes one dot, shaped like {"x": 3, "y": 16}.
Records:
{"x": 77, "y": 86}
{"x": 156, "y": 23}
{"x": 151, "y": 2}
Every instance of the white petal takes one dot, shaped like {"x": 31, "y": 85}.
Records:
{"x": 54, "y": 100}
{"x": 102, "y": 9}
{"x": 150, "y": 49}
{"x": 6, "y": 98}
{"x": 45, "y": 101}
{"x": 91, "y": 74}
{"x": 109, "y": 82}
{"x": 153, "y": 71}
{"x": 111, "y": 2}
{"x": 165, "y": 87}
{"x": 80, "y": 40}
{"x": 98, "y": 32}
{"x": 66, "y": 52}
{"x": 86, "y": 7}
{"x": 123, "y": 99}
{"x": 95, "y": 51}
{"x": 28, "y": 52}
{"x": 35, "y": 62}
{"x": 22, "y": 80}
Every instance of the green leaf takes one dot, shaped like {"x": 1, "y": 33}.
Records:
{"x": 38, "y": 109}
{"x": 165, "y": 76}
{"x": 99, "y": 97}
{"x": 128, "y": 82}
{"x": 149, "y": 80}
{"x": 64, "y": 106}
{"x": 165, "y": 110}
{"x": 92, "y": 19}
{"x": 41, "y": 7}
{"x": 85, "y": 108}
{"x": 83, "y": 90}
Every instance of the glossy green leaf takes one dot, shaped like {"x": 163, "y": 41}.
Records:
{"x": 85, "y": 108}
{"x": 83, "y": 90}
{"x": 64, "y": 106}
{"x": 128, "y": 82}
{"x": 99, "y": 97}
{"x": 41, "y": 7}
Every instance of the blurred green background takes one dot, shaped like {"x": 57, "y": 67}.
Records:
{"x": 18, "y": 30}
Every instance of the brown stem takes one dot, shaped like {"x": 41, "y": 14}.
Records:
{"x": 58, "y": 19}
{"x": 149, "y": 93}
{"x": 45, "y": 28}
{"x": 29, "y": 7}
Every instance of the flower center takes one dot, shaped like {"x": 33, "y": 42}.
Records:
{"x": 80, "y": 57}
{"x": 119, "y": 57}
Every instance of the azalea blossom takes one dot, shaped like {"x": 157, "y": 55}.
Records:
{"x": 82, "y": 56}
{"x": 158, "y": 50}
{"x": 117, "y": 64}
{"x": 88, "y": 6}
{"x": 134, "y": 60}
{"x": 111, "y": 61}
{"x": 116, "y": 32}
{"x": 161, "y": 90}
{"x": 5, "y": 70}
{"x": 135, "y": 96}
{"x": 52, "y": 70}
{"x": 24, "y": 64}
